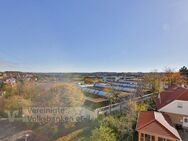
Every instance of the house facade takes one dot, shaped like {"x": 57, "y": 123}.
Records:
{"x": 174, "y": 102}
{"x": 155, "y": 126}
{"x": 11, "y": 82}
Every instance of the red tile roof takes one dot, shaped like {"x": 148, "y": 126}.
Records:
{"x": 171, "y": 94}
{"x": 145, "y": 118}
{"x": 148, "y": 122}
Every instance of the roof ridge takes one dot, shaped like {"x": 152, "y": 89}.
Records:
{"x": 166, "y": 128}
{"x": 172, "y": 93}
{"x": 178, "y": 137}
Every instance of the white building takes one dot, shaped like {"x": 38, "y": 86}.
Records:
{"x": 10, "y": 81}
{"x": 174, "y": 102}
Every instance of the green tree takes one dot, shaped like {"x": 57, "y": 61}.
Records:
{"x": 103, "y": 134}
{"x": 184, "y": 73}
{"x": 122, "y": 125}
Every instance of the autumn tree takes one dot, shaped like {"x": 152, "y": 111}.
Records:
{"x": 171, "y": 77}
{"x": 113, "y": 96}
{"x": 16, "y": 103}
{"x": 152, "y": 81}
{"x": 140, "y": 88}
{"x": 63, "y": 94}
{"x": 9, "y": 91}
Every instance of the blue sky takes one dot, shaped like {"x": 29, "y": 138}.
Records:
{"x": 93, "y": 35}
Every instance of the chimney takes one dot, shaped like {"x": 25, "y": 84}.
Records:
{"x": 159, "y": 97}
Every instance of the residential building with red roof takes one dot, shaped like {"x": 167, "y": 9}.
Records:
{"x": 174, "y": 102}
{"x": 155, "y": 126}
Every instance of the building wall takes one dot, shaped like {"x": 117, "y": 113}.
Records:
{"x": 173, "y": 107}
{"x": 152, "y": 134}
{"x": 176, "y": 118}
{"x": 185, "y": 123}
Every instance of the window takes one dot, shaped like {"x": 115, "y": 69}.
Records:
{"x": 147, "y": 137}
{"x": 161, "y": 139}
{"x": 180, "y": 105}
{"x": 186, "y": 120}
{"x": 153, "y": 138}
{"x": 142, "y": 137}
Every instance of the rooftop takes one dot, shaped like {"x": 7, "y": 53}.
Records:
{"x": 156, "y": 123}
{"x": 172, "y": 93}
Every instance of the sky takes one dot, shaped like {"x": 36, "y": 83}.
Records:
{"x": 93, "y": 35}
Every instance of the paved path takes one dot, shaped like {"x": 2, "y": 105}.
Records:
{"x": 18, "y": 135}
{"x": 10, "y": 132}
